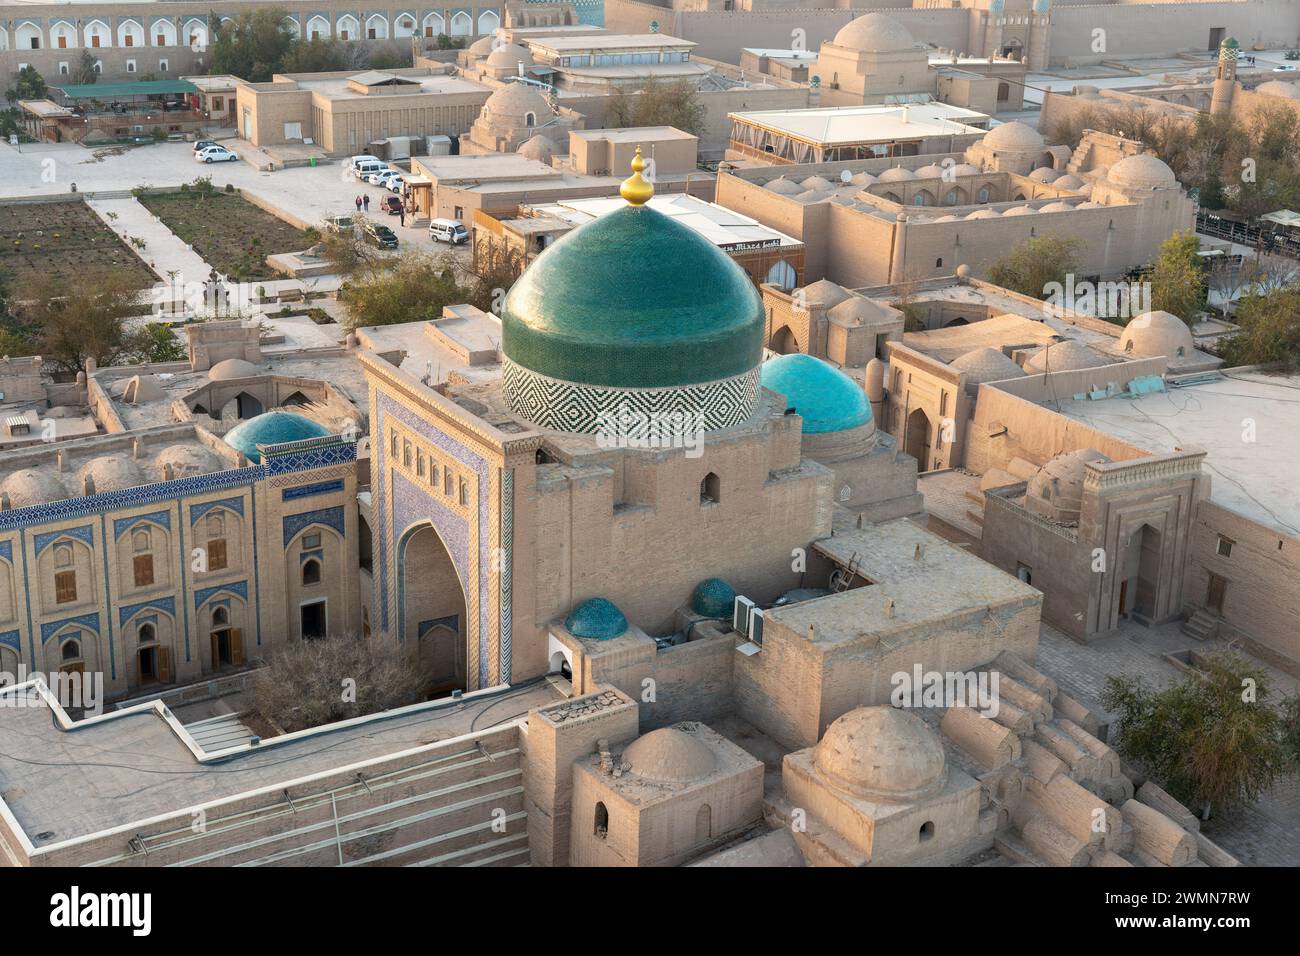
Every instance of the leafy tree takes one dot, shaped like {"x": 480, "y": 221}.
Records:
{"x": 659, "y": 104}
{"x": 1216, "y": 739}
{"x": 412, "y": 287}
{"x": 1177, "y": 279}
{"x": 448, "y": 43}
{"x": 1032, "y": 266}
{"x": 29, "y": 86}
{"x": 1270, "y": 330}
{"x": 70, "y": 320}
{"x": 316, "y": 56}
{"x": 251, "y": 46}
{"x": 83, "y": 74}
{"x": 153, "y": 342}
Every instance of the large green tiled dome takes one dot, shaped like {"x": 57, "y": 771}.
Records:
{"x": 634, "y": 299}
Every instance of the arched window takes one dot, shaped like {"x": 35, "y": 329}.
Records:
{"x": 147, "y": 633}
{"x": 216, "y": 523}
{"x": 71, "y": 650}
{"x": 530, "y": 119}
{"x": 938, "y": 263}
{"x": 984, "y": 194}
{"x": 220, "y": 616}
{"x": 927, "y": 831}
{"x": 918, "y": 199}
{"x": 951, "y": 198}
{"x": 710, "y": 489}
{"x": 311, "y": 572}
{"x": 602, "y": 821}
{"x": 63, "y": 556}
{"x": 140, "y": 540}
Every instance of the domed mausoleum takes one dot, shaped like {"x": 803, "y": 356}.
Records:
{"x": 272, "y": 428}
{"x": 632, "y": 313}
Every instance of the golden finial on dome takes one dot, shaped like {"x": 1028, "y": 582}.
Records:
{"x": 636, "y": 189}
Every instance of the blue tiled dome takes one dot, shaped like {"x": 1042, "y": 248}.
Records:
{"x": 272, "y": 428}
{"x": 713, "y": 598}
{"x": 826, "y": 398}
{"x": 597, "y": 619}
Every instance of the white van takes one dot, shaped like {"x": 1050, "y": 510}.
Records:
{"x": 448, "y": 231}
{"x": 363, "y": 158}
{"x": 364, "y": 168}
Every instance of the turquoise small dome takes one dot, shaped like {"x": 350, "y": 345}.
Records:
{"x": 634, "y": 299}
{"x": 597, "y": 619}
{"x": 826, "y": 398}
{"x": 272, "y": 428}
{"x": 713, "y": 598}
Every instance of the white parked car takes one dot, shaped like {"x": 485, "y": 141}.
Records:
{"x": 382, "y": 177}
{"x": 216, "y": 154}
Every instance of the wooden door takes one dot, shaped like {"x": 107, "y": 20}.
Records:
{"x": 236, "y": 647}
{"x": 1215, "y": 592}
{"x": 216, "y": 651}
{"x": 165, "y": 664}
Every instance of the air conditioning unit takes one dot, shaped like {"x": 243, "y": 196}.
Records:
{"x": 740, "y": 613}
{"x": 756, "y": 625}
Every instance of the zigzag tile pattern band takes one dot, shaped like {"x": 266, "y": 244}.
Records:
{"x": 658, "y": 412}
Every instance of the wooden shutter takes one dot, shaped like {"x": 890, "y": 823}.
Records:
{"x": 216, "y": 652}
{"x": 65, "y": 586}
{"x": 236, "y": 646}
{"x": 216, "y": 554}
{"x": 143, "y": 566}
{"x": 165, "y": 664}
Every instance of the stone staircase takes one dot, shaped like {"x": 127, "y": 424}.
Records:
{"x": 1202, "y": 625}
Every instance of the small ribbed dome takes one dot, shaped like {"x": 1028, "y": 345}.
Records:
{"x": 966, "y": 169}
{"x": 1143, "y": 170}
{"x": 1063, "y": 356}
{"x": 596, "y": 619}
{"x": 1157, "y": 333}
{"x": 538, "y": 148}
{"x": 670, "y": 755}
{"x": 986, "y": 365}
{"x": 858, "y": 311}
{"x": 862, "y": 179}
{"x": 895, "y": 174}
{"x": 1286, "y": 91}
{"x": 509, "y": 56}
{"x": 826, "y": 398}
{"x": 30, "y": 486}
{"x": 517, "y": 99}
{"x": 983, "y": 214}
{"x": 1045, "y": 174}
{"x": 1069, "y": 182}
{"x": 233, "y": 368}
{"x": 482, "y": 46}
{"x": 785, "y": 187}
{"x": 713, "y": 597}
{"x": 272, "y": 428}
{"x": 825, "y": 293}
{"x": 1020, "y": 211}
{"x": 882, "y": 754}
{"x": 929, "y": 172}
{"x": 1013, "y": 136}
{"x": 816, "y": 182}
{"x": 112, "y": 473}
{"x": 875, "y": 33}
{"x": 186, "y": 461}
{"x": 1059, "y": 206}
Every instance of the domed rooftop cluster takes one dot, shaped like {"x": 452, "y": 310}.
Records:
{"x": 1014, "y": 137}
{"x": 632, "y": 310}
{"x": 1063, "y": 356}
{"x": 272, "y": 428}
{"x": 596, "y": 619}
{"x": 824, "y": 397}
{"x": 233, "y": 368}
{"x": 1142, "y": 171}
{"x": 875, "y": 33}
{"x": 986, "y": 365}
{"x": 670, "y": 756}
{"x": 882, "y": 754}
{"x": 509, "y": 55}
{"x": 1157, "y": 333}
{"x": 1056, "y": 489}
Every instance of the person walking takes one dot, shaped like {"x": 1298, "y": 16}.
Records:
{"x": 401, "y": 215}
{"x": 358, "y": 201}
{"x": 365, "y": 201}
